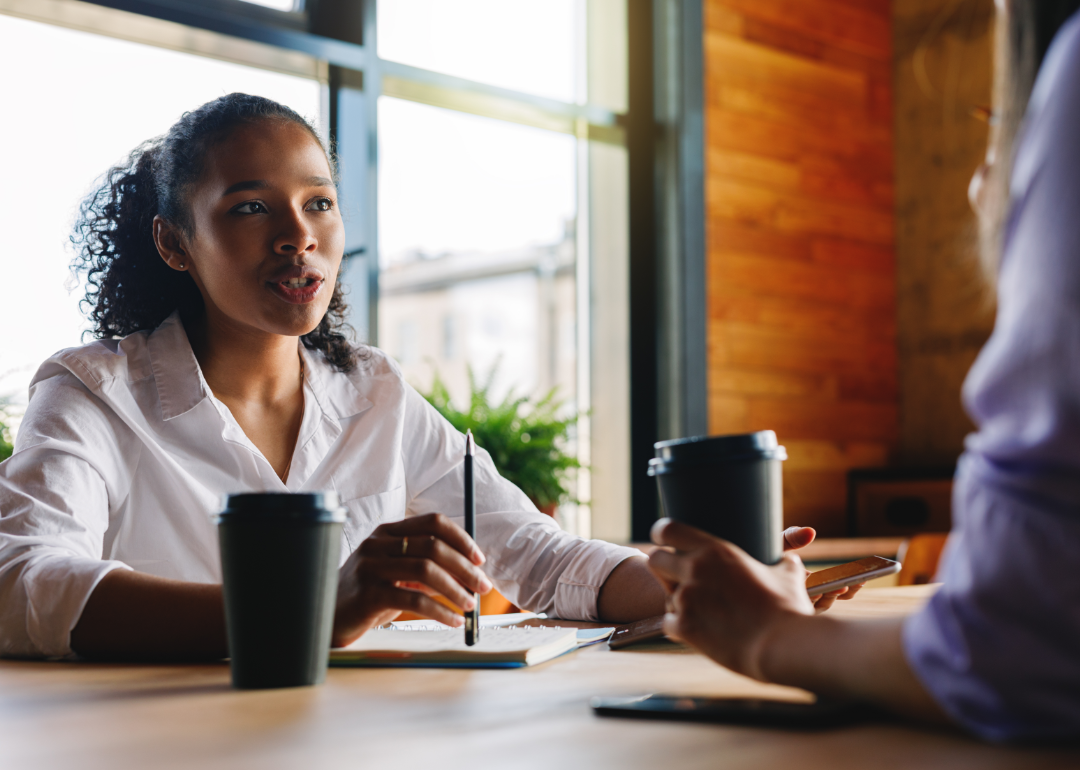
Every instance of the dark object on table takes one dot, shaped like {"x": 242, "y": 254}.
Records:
{"x": 279, "y": 563}
{"x": 647, "y": 630}
{"x": 884, "y": 502}
{"x": 821, "y": 714}
{"x": 729, "y": 486}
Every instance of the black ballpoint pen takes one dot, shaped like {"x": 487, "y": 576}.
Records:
{"x": 472, "y": 617}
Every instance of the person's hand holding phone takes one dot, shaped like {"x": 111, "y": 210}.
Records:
{"x": 800, "y": 537}
{"x": 723, "y": 601}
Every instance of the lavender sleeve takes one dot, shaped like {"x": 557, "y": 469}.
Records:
{"x": 998, "y": 646}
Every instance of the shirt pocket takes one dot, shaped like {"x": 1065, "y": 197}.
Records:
{"x": 364, "y": 514}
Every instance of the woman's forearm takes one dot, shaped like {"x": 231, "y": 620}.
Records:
{"x": 863, "y": 660}
{"x": 631, "y": 592}
{"x": 131, "y": 615}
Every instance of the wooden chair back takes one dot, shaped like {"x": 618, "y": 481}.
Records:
{"x": 919, "y": 556}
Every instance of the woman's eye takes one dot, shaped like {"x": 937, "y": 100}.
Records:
{"x": 251, "y": 207}
{"x": 321, "y": 204}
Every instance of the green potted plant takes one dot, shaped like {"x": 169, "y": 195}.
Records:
{"x": 7, "y": 441}
{"x": 525, "y": 439}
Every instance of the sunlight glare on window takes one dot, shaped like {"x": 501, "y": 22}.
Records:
{"x": 277, "y": 5}
{"x": 62, "y": 135}
{"x": 477, "y": 248}
{"x": 451, "y": 182}
{"x": 525, "y": 45}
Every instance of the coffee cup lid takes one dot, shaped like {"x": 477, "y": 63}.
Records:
{"x": 307, "y": 506}
{"x": 760, "y": 445}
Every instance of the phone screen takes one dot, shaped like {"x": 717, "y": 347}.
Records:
{"x": 849, "y": 570}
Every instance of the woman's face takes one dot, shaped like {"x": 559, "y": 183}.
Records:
{"x": 268, "y": 237}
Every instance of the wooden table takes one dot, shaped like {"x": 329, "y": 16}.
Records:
{"x": 80, "y": 715}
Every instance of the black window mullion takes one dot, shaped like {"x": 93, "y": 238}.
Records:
{"x": 641, "y": 135}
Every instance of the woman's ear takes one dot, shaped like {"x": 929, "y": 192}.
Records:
{"x": 170, "y": 244}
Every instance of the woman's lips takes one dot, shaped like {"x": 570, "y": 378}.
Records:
{"x": 294, "y": 294}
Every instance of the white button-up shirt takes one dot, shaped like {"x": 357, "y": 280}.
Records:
{"x": 124, "y": 455}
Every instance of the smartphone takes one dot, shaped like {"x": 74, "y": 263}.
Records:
{"x": 647, "y": 630}
{"x": 852, "y": 573}
{"x": 821, "y": 582}
{"x": 740, "y": 711}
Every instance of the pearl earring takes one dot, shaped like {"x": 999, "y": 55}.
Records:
{"x": 181, "y": 265}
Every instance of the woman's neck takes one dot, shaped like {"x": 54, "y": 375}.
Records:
{"x": 258, "y": 376}
{"x": 244, "y": 364}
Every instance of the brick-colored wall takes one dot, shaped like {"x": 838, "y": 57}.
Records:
{"x": 944, "y": 67}
{"x": 801, "y": 271}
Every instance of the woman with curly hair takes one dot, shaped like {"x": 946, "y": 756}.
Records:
{"x": 212, "y": 259}
{"x": 221, "y": 365}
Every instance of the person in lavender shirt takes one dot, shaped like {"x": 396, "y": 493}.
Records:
{"x": 997, "y": 649}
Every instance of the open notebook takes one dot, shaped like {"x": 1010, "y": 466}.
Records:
{"x": 445, "y": 647}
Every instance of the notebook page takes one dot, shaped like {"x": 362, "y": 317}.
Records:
{"x": 445, "y": 640}
{"x": 486, "y": 621}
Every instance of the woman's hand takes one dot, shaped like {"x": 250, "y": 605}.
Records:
{"x": 400, "y": 567}
{"x": 722, "y": 601}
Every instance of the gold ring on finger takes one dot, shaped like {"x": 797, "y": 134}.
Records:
{"x": 404, "y": 545}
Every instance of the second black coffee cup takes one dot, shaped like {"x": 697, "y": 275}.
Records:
{"x": 279, "y": 563}
{"x": 729, "y": 486}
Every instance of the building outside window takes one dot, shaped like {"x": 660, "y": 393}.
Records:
{"x": 476, "y": 225}
{"x": 503, "y": 240}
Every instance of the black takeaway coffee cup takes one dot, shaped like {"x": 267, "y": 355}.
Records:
{"x": 729, "y": 486}
{"x": 279, "y": 564}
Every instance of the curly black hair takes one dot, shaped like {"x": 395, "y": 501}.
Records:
{"x": 129, "y": 288}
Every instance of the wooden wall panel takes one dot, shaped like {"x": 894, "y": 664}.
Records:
{"x": 943, "y": 68}
{"x": 801, "y": 269}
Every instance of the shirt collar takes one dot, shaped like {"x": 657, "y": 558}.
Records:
{"x": 179, "y": 379}
{"x": 181, "y": 386}
{"x": 337, "y": 394}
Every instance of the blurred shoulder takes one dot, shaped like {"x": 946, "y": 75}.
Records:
{"x": 1053, "y": 114}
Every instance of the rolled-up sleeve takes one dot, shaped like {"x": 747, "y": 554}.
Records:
{"x": 55, "y": 493}
{"x": 999, "y": 645}
{"x": 533, "y": 563}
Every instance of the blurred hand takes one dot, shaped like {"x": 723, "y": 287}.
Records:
{"x": 757, "y": 620}
{"x": 722, "y": 601}
{"x": 400, "y": 567}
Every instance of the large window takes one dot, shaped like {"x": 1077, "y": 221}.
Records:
{"x": 477, "y": 242}
{"x": 484, "y": 178}
{"x": 530, "y": 46}
{"x": 76, "y": 103}
{"x": 501, "y": 224}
